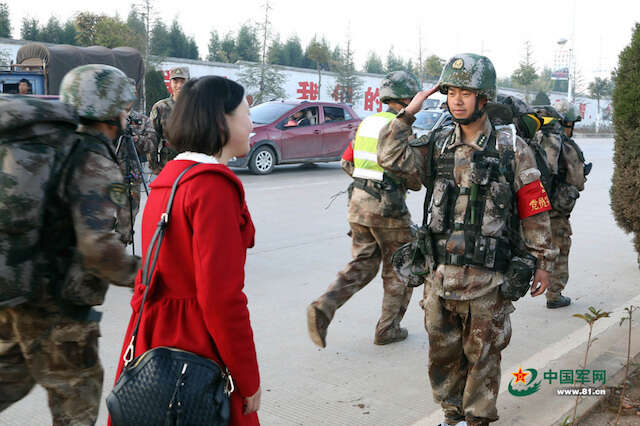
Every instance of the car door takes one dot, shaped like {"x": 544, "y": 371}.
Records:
{"x": 303, "y": 140}
{"x": 338, "y": 130}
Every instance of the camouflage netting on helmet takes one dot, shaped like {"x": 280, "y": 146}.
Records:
{"x": 398, "y": 85}
{"x": 469, "y": 71}
{"x": 97, "y": 92}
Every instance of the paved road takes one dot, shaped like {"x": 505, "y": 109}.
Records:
{"x": 300, "y": 245}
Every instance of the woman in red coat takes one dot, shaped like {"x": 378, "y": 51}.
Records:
{"x": 196, "y": 296}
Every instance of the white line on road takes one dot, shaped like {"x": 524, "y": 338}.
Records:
{"x": 549, "y": 353}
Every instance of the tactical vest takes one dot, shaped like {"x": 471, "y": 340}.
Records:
{"x": 365, "y": 147}
{"x": 484, "y": 234}
{"x": 37, "y": 139}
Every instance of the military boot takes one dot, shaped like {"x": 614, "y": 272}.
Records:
{"x": 391, "y": 336}
{"x": 317, "y": 324}
{"x": 559, "y": 302}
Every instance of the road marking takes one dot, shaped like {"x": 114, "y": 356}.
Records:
{"x": 549, "y": 353}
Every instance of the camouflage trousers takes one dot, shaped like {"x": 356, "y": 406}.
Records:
{"x": 60, "y": 354}
{"x": 466, "y": 338}
{"x": 126, "y": 216}
{"x": 369, "y": 247}
{"x": 561, "y": 235}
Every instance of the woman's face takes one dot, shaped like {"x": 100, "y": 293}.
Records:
{"x": 240, "y": 126}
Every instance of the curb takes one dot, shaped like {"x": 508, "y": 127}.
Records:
{"x": 608, "y": 352}
{"x": 616, "y": 356}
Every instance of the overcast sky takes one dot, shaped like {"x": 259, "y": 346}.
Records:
{"x": 498, "y": 29}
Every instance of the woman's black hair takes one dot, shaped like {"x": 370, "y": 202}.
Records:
{"x": 197, "y": 122}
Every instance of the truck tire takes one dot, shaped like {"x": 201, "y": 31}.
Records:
{"x": 262, "y": 161}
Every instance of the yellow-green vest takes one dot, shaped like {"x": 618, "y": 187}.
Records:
{"x": 365, "y": 147}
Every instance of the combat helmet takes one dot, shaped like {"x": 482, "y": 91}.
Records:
{"x": 469, "y": 71}
{"x": 570, "y": 114}
{"x": 97, "y": 92}
{"x": 398, "y": 85}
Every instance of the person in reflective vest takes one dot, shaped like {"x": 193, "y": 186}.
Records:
{"x": 379, "y": 221}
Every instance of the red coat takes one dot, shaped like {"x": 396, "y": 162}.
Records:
{"x": 197, "y": 291}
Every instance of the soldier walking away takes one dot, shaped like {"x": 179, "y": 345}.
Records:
{"x": 570, "y": 172}
{"x": 59, "y": 199}
{"x": 488, "y": 231}
{"x": 379, "y": 221}
{"x": 160, "y": 115}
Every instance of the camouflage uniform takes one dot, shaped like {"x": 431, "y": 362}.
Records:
{"x": 568, "y": 172}
{"x": 466, "y": 317}
{"x": 53, "y": 339}
{"x": 160, "y": 115}
{"x": 144, "y": 140}
{"x": 374, "y": 240}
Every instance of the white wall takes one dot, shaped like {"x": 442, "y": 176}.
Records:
{"x": 299, "y": 83}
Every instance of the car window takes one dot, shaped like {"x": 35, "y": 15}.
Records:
{"x": 426, "y": 119}
{"x": 268, "y": 112}
{"x": 335, "y": 114}
{"x": 301, "y": 118}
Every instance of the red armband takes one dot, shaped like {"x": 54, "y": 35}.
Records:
{"x": 532, "y": 199}
{"x": 348, "y": 153}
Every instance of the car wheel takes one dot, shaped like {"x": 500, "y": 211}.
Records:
{"x": 262, "y": 161}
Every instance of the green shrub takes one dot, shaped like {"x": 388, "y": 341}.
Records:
{"x": 156, "y": 89}
{"x": 625, "y": 193}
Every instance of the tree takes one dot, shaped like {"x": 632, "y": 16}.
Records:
{"x": 214, "y": 47}
{"x": 266, "y": 81}
{"x": 318, "y": 52}
{"x": 542, "y": 99}
{"x": 262, "y": 82}
{"x": 544, "y": 83}
{"x": 525, "y": 74}
{"x": 156, "y": 89}
{"x": 374, "y": 64}
{"x": 394, "y": 63}
{"x": 139, "y": 20}
{"x": 86, "y": 24}
{"x": 292, "y": 52}
{"x": 29, "y": 29}
{"x": 625, "y": 197}
{"x": 69, "y": 33}
{"x": 433, "y": 67}
{"x": 348, "y": 85}
{"x": 228, "y": 49}
{"x": 247, "y": 44}
{"x": 598, "y": 89}
{"x": 5, "y": 22}
{"x": 52, "y": 32}
{"x": 181, "y": 46}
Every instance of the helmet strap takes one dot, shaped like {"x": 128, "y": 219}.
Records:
{"x": 477, "y": 113}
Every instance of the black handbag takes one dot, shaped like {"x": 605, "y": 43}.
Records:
{"x": 168, "y": 386}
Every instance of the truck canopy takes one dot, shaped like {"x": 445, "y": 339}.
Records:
{"x": 60, "y": 59}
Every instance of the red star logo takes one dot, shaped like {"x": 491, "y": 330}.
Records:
{"x": 520, "y": 376}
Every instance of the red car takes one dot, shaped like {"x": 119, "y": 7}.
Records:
{"x": 287, "y": 132}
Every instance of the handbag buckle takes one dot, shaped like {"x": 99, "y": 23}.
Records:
{"x": 128, "y": 355}
{"x": 230, "y": 387}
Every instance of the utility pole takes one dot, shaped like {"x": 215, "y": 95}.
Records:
{"x": 420, "y": 62}
{"x": 265, "y": 37}
{"x": 572, "y": 54}
{"x": 147, "y": 11}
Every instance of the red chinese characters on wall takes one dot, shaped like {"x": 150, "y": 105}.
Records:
{"x": 371, "y": 97}
{"x": 307, "y": 90}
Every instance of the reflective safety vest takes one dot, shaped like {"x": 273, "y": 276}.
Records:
{"x": 365, "y": 147}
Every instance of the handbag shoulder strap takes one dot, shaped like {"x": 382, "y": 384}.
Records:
{"x": 150, "y": 261}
